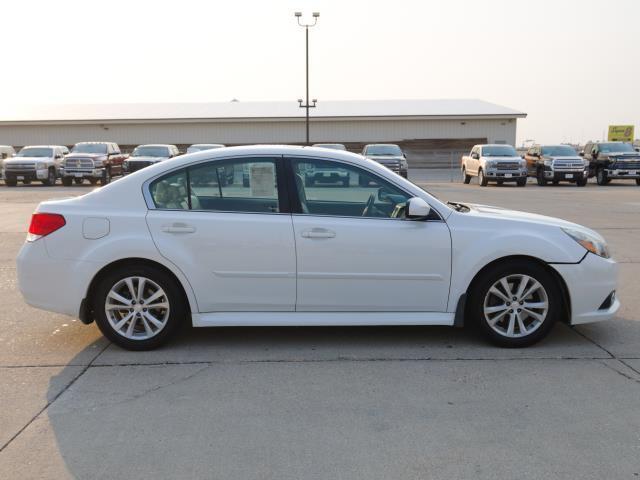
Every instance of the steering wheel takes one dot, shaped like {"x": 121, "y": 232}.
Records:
{"x": 370, "y": 205}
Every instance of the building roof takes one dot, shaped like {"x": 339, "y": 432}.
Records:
{"x": 453, "y": 108}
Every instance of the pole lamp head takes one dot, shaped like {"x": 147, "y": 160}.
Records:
{"x": 298, "y": 14}
{"x": 316, "y": 14}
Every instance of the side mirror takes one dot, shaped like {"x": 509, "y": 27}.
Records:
{"x": 475, "y": 156}
{"x": 581, "y": 154}
{"x": 417, "y": 209}
{"x": 383, "y": 195}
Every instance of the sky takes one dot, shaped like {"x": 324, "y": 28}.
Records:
{"x": 571, "y": 65}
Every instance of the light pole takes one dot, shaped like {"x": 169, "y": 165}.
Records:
{"x": 306, "y": 26}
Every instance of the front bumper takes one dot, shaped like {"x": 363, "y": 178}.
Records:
{"x": 505, "y": 175}
{"x": 620, "y": 173}
{"x": 83, "y": 173}
{"x": 565, "y": 175}
{"x": 590, "y": 284}
{"x": 41, "y": 174}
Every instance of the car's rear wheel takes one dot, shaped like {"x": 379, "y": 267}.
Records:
{"x": 67, "y": 181}
{"x": 78, "y": 181}
{"x": 138, "y": 307}
{"x": 515, "y": 304}
{"x": 10, "y": 182}
{"x": 522, "y": 182}
{"x": 482, "y": 180}
{"x": 26, "y": 182}
{"x": 638, "y": 181}
{"x": 582, "y": 182}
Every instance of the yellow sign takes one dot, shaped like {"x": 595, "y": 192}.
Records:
{"x": 620, "y": 133}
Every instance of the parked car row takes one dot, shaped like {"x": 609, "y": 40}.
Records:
{"x": 552, "y": 163}
{"x": 92, "y": 161}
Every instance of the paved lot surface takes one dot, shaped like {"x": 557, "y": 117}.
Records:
{"x": 328, "y": 403}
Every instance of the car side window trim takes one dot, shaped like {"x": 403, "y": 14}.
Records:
{"x": 283, "y": 191}
{"x": 296, "y": 208}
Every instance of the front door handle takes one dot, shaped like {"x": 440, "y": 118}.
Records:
{"x": 318, "y": 233}
{"x": 178, "y": 228}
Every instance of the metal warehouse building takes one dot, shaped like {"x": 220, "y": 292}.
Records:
{"x": 428, "y": 130}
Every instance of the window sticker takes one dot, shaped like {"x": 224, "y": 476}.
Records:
{"x": 263, "y": 180}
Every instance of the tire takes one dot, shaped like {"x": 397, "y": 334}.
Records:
{"x": 51, "y": 178}
{"x": 106, "y": 177}
{"x": 638, "y": 181}
{"x": 482, "y": 180}
{"x": 535, "y": 328}
{"x": 581, "y": 182}
{"x": 601, "y": 176}
{"x": 10, "y": 182}
{"x": 93, "y": 181}
{"x": 540, "y": 177}
{"x": 78, "y": 181}
{"x": 522, "y": 182}
{"x": 26, "y": 182}
{"x": 67, "y": 181}
{"x": 138, "y": 337}
{"x": 465, "y": 178}
{"x": 500, "y": 182}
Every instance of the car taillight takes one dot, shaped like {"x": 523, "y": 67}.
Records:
{"x": 42, "y": 224}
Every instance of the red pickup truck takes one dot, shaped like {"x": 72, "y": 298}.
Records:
{"x": 94, "y": 161}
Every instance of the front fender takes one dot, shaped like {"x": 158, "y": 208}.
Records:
{"x": 476, "y": 242}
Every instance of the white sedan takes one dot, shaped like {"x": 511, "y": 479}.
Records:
{"x": 172, "y": 243}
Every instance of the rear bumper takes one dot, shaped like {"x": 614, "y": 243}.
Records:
{"x": 49, "y": 284}
{"x": 590, "y": 284}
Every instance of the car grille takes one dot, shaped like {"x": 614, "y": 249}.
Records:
{"x": 393, "y": 166}
{"x": 626, "y": 165}
{"x": 137, "y": 165}
{"x": 20, "y": 167}
{"x": 508, "y": 166}
{"x": 568, "y": 165}
{"x": 78, "y": 164}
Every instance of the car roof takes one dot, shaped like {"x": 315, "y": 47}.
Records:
{"x": 44, "y": 146}
{"x": 207, "y": 145}
{"x": 156, "y": 145}
{"x": 93, "y": 143}
{"x": 381, "y": 145}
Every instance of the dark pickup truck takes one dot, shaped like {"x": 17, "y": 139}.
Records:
{"x": 612, "y": 160}
{"x": 94, "y": 161}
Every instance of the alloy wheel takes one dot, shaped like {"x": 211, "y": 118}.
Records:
{"x": 137, "y": 308}
{"x": 516, "y": 306}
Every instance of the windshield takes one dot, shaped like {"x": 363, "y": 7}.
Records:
{"x": 383, "y": 150}
{"x": 334, "y": 146}
{"x": 36, "y": 152}
{"x": 499, "y": 151}
{"x": 559, "y": 151}
{"x": 89, "y": 148}
{"x": 151, "y": 152}
{"x": 616, "y": 147}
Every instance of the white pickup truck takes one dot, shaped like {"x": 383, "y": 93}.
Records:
{"x": 494, "y": 163}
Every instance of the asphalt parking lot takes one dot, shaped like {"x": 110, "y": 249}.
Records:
{"x": 330, "y": 403}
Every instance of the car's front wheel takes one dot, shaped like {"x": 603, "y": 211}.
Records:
{"x": 138, "y": 307}
{"x": 515, "y": 304}
{"x": 482, "y": 180}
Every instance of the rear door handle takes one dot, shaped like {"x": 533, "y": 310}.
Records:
{"x": 318, "y": 233}
{"x": 178, "y": 228}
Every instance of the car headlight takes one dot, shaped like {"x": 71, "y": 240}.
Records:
{"x": 592, "y": 243}
{"x": 548, "y": 163}
{"x": 40, "y": 166}
{"x": 125, "y": 164}
{"x": 491, "y": 163}
{"x": 523, "y": 164}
